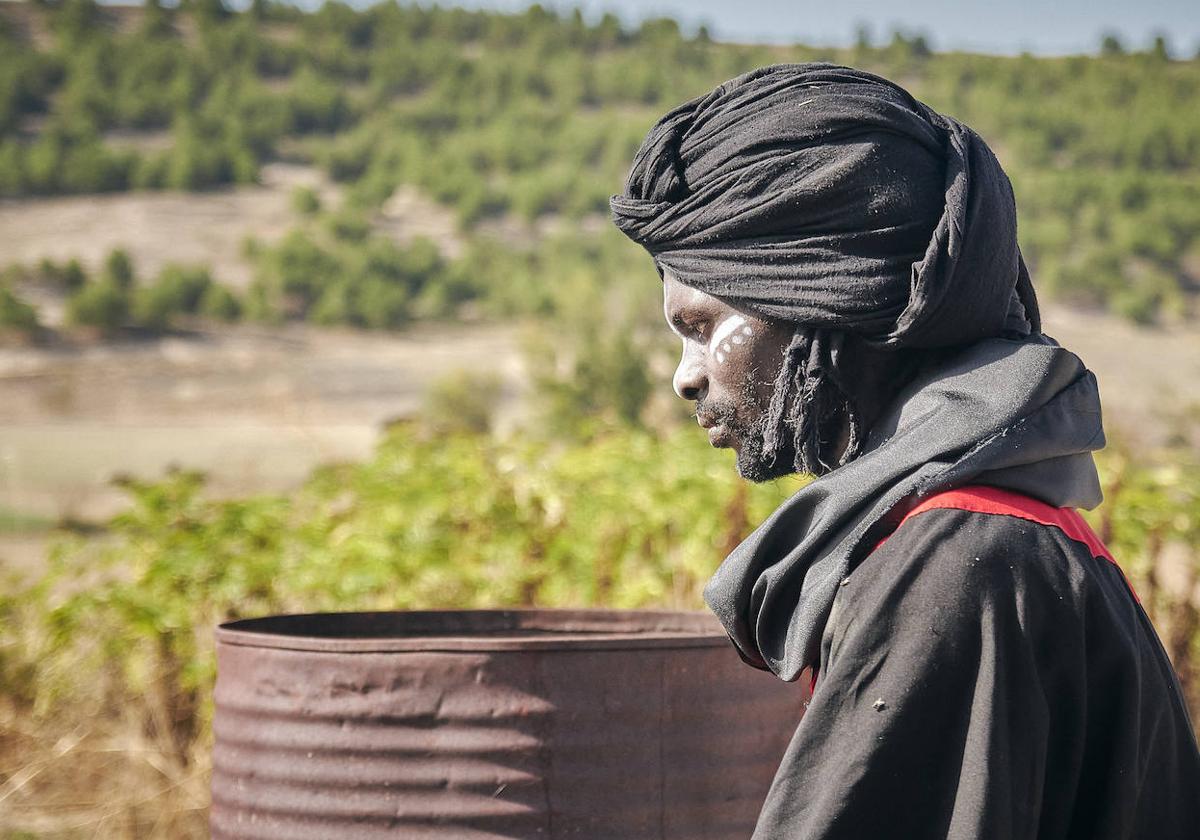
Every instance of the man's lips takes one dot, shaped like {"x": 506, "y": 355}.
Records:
{"x": 720, "y": 437}
{"x": 718, "y": 433}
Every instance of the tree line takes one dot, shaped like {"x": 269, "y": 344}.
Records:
{"x": 539, "y": 113}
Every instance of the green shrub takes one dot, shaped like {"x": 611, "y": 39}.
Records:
{"x": 118, "y": 270}
{"x": 16, "y": 316}
{"x": 305, "y": 201}
{"x": 72, "y": 276}
{"x": 462, "y": 403}
{"x": 220, "y": 304}
{"x": 179, "y": 291}
{"x": 102, "y": 305}
{"x": 625, "y": 520}
{"x": 64, "y": 277}
{"x": 349, "y": 226}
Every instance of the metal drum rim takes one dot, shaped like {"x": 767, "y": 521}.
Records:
{"x": 659, "y": 629}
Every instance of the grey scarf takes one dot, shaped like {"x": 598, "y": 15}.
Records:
{"x": 1023, "y": 415}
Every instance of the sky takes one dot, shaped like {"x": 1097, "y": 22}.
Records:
{"x": 1049, "y": 27}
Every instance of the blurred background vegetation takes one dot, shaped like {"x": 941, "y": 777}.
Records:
{"x": 429, "y": 169}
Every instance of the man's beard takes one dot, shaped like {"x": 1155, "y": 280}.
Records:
{"x": 753, "y": 462}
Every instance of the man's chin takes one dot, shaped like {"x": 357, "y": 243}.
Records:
{"x": 752, "y": 465}
{"x": 746, "y": 441}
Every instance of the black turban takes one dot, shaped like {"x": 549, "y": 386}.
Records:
{"x": 831, "y": 198}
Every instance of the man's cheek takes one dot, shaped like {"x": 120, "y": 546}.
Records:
{"x": 729, "y": 340}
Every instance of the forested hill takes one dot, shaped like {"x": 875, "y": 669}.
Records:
{"x": 539, "y": 113}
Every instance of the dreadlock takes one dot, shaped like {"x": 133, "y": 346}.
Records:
{"x": 811, "y": 406}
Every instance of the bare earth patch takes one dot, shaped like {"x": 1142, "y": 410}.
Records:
{"x": 257, "y": 410}
{"x": 157, "y": 228}
{"x": 1149, "y": 377}
{"x": 208, "y": 228}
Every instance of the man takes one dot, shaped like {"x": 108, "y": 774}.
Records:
{"x": 841, "y": 263}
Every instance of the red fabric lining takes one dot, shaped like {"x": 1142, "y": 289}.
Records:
{"x": 993, "y": 500}
{"x": 980, "y": 499}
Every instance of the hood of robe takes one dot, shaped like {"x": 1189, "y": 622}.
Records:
{"x": 1019, "y": 414}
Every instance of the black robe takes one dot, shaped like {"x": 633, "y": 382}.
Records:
{"x": 986, "y": 676}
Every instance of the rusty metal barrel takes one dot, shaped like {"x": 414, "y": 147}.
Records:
{"x": 492, "y": 723}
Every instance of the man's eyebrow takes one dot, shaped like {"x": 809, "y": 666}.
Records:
{"x": 686, "y": 326}
{"x": 681, "y": 324}
{"x": 675, "y": 322}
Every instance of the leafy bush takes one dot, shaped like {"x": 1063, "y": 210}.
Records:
{"x": 220, "y": 304}
{"x": 118, "y": 270}
{"x": 114, "y": 299}
{"x": 17, "y": 318}
{"x": 102, "y": 305}
{"x": 69, "y": 276}
{"x": 460, "y": 523}
{"x": 359, "y": 278}
{"x": 120, "y": 629}
{"x": 178, "y": 291}
{"x": 305, "y": 201}
{"x": 462, "y": 403}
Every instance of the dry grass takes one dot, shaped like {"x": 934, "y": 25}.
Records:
{"x": 111, "y": 778}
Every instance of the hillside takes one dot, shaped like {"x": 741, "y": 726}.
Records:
{"x": 527, "y": 122}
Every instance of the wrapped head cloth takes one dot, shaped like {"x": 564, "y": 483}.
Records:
{"x": 831, "y": 198}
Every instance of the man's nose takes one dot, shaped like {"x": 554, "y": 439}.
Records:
{"x": 691, "y": 380}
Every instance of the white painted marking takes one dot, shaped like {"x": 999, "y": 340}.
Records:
{"x": 724, "y": 330}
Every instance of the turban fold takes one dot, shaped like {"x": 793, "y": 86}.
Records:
{"x": 831, "y": 198}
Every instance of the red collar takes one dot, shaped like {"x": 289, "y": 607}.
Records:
{"x": 982, "y": 499}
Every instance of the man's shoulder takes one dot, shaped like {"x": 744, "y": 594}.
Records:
{"x": 944, "y": 558}
{"x": 948, "y": 581}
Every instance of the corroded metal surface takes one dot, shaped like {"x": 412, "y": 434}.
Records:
{"x": 535, "y": 723}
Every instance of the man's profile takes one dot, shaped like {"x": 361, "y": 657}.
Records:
{"x": 841, "y": 264}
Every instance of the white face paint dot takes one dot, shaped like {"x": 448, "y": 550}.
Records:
{"x": 726, "y": 347}
{"x": 738, "y": 339}
{"x": 747, "y": 330}
{"x": 720, "y": 357}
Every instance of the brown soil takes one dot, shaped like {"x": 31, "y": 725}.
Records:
{"x": 255, "y": 409}
{"x": 1149, "y": 377}
{"x": 157, "y": 228}
{"x": 210, "y": 228}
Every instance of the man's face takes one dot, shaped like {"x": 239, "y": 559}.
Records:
{"x": 728, "y": 368}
